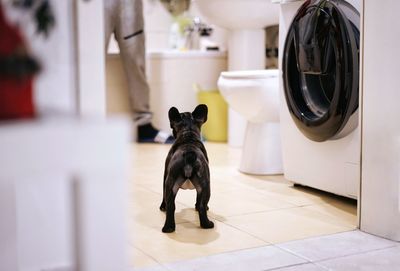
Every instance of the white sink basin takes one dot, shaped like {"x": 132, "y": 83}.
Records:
{"x": 240, "y": 14}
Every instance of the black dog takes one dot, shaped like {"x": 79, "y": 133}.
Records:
{"x": 187, "y": 165}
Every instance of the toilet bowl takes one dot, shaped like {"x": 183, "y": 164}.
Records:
{"x": 255, "y": 95}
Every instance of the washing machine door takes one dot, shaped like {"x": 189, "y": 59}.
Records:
{"x": 321, "y": 69}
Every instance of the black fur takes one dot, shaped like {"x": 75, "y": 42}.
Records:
{"x": 186, "y": 160}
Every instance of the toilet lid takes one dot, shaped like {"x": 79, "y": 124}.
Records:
{"x": 252, "y": 74}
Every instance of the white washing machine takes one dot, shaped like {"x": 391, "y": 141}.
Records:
{"x": 319, "y": 58}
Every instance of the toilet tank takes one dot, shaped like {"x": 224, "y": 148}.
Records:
{"x": 171, "y": 75}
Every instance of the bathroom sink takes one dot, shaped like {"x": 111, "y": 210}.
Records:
{"x": 239, "y": 14}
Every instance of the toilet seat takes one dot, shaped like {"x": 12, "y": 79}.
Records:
{"x": 250, "y": 74}
{"x": 252, "y": 93}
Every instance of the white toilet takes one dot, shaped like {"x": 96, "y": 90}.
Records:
{"x": 254, "y": 94}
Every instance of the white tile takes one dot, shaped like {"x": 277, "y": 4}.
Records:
{"x": 151, "y": 268}
{"x": 262, "y": 258}
{"x": 336, "y": 245}
{"x": 303, "y": 267}
{"x": 378, "y": 260}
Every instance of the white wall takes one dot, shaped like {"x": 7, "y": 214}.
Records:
{"x": 380, "y": 121}
{"x": 158, "y": 21}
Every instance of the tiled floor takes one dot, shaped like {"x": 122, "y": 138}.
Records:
{"x": 257, "y": 218}
{"x": 348, "y": 251}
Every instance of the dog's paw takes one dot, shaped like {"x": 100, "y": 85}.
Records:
{"x": 162, "y": 207}
{"x": 168, "y": 229}
{"x": 207, "y": 225}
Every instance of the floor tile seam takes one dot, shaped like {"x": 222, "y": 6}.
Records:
{"x": 293, "y": 253}
{"x": 336, "y": 220}
{"x": 352, "y": 254}
{"x": 291, "y": 202}
{"x": 148, "y": 189}
{"x": 312, "y": 237}
{"x": 246, "y": 232}
{"x": 158, "y": 263}
{"x": 330, "y": 258}
{"x": 240, "y": 230}
{"x": 150, "y": 256}
{"x": 267, "y": 193}
{"x": 263, "y": 211}
{"x": 277, "y": 199}
{"x": 218, "y": 254}
{"x": 344, "y": 224}
{"x": 347, "y": 225}
{"x": 290, "y": 265}
{"x": 317, "y": 237}
{"x": 324, "y": 197}
{"x": 257, "y": 191}
{"x": 323, "y": 267}
{"x": 216, "y": 217}
{"x": 270, "y": 242}
{"x": 289, "y": 207}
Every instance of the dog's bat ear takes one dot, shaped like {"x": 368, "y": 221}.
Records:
{"x": 174, "y": 115}
{"x": 200, "y": 113}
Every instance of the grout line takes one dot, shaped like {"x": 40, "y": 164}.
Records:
{"x": 220, "y": 253}
{"x": 258, "y": 212}
{"x": 248, "y": 233}
{"x": 330, "y": 258}
{"x": 354, "y": 254}
{"x": 287, "y": 266}
{"x": 338, "y": 221}
{"x": 148, "y": 255}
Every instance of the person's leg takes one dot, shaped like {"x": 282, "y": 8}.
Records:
{"x": 131, "y": 41}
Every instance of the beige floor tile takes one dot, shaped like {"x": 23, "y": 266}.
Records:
{"x": 343, "y": 211}
{"x": 263, "y": 182}
{"x": 287, "y": 224}
{"x": 144, "y": 209}
{"x": 298, "y": 196}
{"x": 139, "y": 259}
{"x": 233, "y": 200}
{"x": 190, "y": 241}
{"x": 155, "y": 186}
{"x": 258, "y": 209}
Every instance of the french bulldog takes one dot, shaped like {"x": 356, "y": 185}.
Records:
{"x": 186, "y": 165}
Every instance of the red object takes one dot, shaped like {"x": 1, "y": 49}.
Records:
{"x": 16, "y": 92}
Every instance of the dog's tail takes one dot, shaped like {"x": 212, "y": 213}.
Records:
{"x": 189, "y": 157}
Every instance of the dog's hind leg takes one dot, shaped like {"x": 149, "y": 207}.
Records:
{"x": 171, "y": 189}
{"x": 198, "y": 202}
{"x": 203, "y": 196}
{"x": 162, "y": 205}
